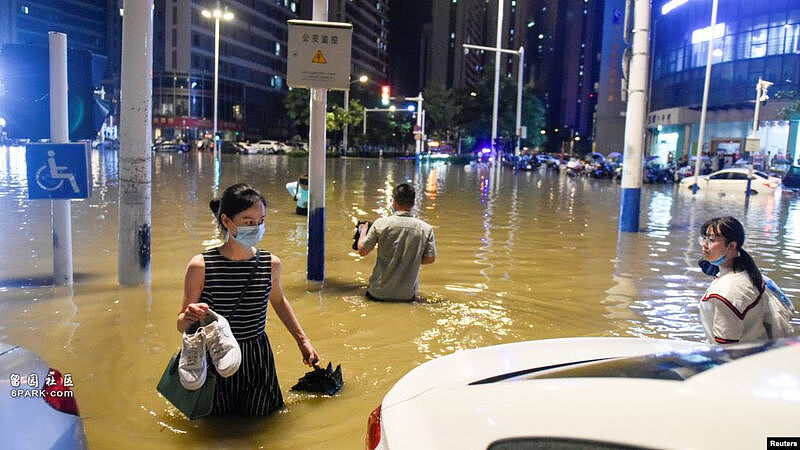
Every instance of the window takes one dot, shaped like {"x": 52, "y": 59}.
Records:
{"x": 676, "y": 366}
{"x": 791, "y": 39}
{"x": 758, "y": 43}
{"x": 720, "y": 176}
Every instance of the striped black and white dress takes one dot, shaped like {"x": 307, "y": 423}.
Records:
{"x": 253, "y": 389}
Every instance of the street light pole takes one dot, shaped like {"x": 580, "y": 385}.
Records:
{"x": 704, "y": 107}
{"x": 216, "y": 79}
{"x": 495, "y": 102}
{"x": 217, "y": 14}
{"x": 521, "y": 54}
{"x": 346, "y": 119}
{"x": 519, "y": 98}
{"x": 361, "y": 79}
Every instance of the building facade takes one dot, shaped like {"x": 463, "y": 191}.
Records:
{"x": 370, "y": 49}
{"x": 252, "y": 69}
{"x": 609, "y": 129}
{"x": 454, "y": 24}
{"x": 83, "y": 21}
{"x": 751, "y": 40}
{"x": 562, "y": 51}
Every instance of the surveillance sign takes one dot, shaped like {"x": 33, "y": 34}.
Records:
{"x": 319, "y": 54}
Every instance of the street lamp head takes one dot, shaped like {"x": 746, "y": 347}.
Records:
{"x": 410, "y": 108}
{"x": 227, "y": 15}
{"x": 217, "y": 14}
{"x": 392, "y": 108}
{"x": 206, "y": 13}
{"x": 363, "y": 78}
{"x": 577, "y": 138}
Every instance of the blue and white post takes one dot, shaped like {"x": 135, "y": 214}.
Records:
{"x": 315, "y": 265}
{"x": 634, "y": 121}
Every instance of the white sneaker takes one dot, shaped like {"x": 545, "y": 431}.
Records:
{"x": 225, "y": 352}
{"x": 192, "y": 364}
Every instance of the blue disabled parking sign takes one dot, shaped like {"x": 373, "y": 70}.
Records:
{"x": 58, "y": 171}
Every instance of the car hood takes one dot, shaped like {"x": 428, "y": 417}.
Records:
{"x": 467, "y": 366}
{"x": 5, "y": 347}
{"x": 435, "y": 407}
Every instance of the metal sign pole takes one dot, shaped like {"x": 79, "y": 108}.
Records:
{"x": 59, "y": 134}
{"x": 315, "y": 266}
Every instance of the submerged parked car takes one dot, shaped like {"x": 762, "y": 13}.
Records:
{"x": 232, "y": 147}
{"x": 734, "y": 181}
{"x": 587, "y": 393}
{"x": 792, "y": 178}
{"x": 37, "y": 405}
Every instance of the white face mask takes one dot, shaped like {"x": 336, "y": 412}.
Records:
{"x": 248, "y": 236}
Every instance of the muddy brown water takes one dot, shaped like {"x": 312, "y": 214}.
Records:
{"x": 531, "y": 256}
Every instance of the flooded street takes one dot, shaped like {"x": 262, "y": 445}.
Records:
{"x": 531, "y": 256}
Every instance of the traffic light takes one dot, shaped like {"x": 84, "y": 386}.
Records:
{"x": 386, "y": 92}
{"x": 25, "y": 92}
{"x": 87, "y": 112}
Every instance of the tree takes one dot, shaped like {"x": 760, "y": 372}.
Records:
{"x": 442, "y": 109}
{"x": 297, "y": 106}
{"x": 790, "y": 112}
{"x": 476, "y": 112}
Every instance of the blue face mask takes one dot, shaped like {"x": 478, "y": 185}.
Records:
{"x": 718, "y": 262}
{"x": 711, "y": 267}
{"x": 249, "y": 236}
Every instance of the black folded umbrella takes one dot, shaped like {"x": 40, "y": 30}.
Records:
{"x": 323, "y": 381}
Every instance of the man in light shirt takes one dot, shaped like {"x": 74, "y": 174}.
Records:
{"x": 299, "y": 191}
{"x": 404, "y": 243}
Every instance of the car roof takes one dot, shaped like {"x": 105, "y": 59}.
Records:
{"x": 641, "y": 412}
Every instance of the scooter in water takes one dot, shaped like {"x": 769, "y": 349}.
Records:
{"x": 575, "y": 167}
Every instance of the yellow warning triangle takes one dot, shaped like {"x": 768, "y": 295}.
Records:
{"x": 318, "y": 58}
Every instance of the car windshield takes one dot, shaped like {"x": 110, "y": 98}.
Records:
{"x": 661, "y": 366}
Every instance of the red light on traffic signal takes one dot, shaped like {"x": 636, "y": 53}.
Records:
{"x": 385, "y": 94}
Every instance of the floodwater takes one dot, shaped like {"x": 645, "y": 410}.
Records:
{"x": 531, "y": 256}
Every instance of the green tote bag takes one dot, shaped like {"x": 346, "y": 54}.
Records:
{"x": 193, "y": 404}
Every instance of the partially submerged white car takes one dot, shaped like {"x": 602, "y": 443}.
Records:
{"x": 37, "y": 405}
{"x": 595, "y": 393}
{"x": 734, "y": 181}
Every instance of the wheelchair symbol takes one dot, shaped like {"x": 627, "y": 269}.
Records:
{"x": 50, "y": 177}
